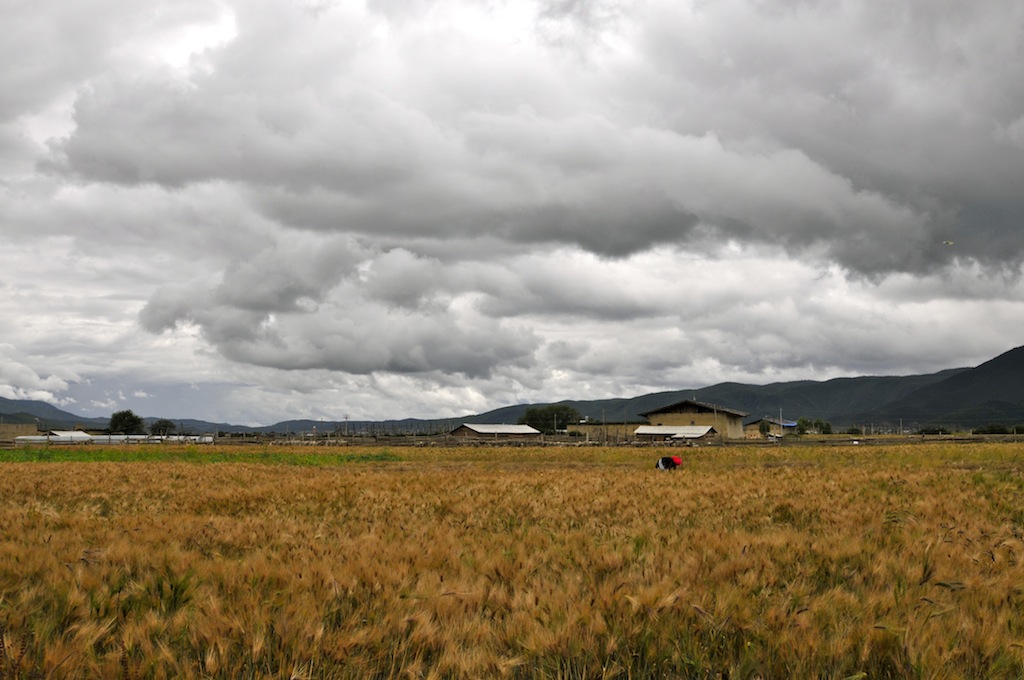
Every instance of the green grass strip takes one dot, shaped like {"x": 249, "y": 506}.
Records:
{"x": 154, "y": 454}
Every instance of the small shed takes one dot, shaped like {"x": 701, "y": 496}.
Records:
{"x": 491, "y": 431}
{"x": 76, "y": 436}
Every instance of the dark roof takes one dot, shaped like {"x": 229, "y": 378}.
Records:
{"x": 773, "y": 421}
{"x": 702, "y": 406}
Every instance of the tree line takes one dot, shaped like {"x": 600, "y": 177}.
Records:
{"x": 550, "y": 419}
{"x": 126, "y": 422}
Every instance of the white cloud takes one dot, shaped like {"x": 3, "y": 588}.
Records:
{"x": 19, "y": 379}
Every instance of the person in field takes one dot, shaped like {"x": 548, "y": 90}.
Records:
{"x": 668, "y": 463}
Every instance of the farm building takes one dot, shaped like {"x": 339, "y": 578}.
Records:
{"x": 478, "y": 431}
{"x": 55, "y": 437}
{"x": 727, "y": 422}
{"x": 12, "y": 430}
{"x": 775, "y": 427}
{"x": 689, "y": 434}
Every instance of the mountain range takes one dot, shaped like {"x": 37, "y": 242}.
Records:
{"x": 988, "y": 394}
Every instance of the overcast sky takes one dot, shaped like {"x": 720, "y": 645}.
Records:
{"x": 254, "y": 210}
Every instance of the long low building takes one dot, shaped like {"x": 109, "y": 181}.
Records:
{"x": 495, "y": 431}
{"x": 676, "y": 433}
{"x": 67, "y": 437}
{"x": 56, "y": 437}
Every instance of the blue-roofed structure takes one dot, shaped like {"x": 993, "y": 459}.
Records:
{"x": 776, "y": 427}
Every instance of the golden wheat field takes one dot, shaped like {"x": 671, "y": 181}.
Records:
{"x": 832, "y": 562}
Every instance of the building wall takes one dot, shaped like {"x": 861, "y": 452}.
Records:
{"x": 12, "y": 430}
{"x": 731, "y": 427}
{"x": 753, "y": 431}
{"x": 605, "y": 432}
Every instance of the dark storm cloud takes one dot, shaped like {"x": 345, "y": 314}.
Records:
{"x": 911, "y": 102}
{"x": 569, "y": 287}
{"x": 387, "y": 341}
{"x": 349, "y": 158}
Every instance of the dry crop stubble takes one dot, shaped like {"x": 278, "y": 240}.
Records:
{"x": 895, "y": 562}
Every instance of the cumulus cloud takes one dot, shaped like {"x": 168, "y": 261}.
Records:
{"x": 482, "y": 203}
{"x": 304, "y": 304}
{"x": 762, "y": 141}
{"x": 20, "y": 381}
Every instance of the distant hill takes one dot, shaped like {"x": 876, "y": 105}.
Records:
{"x": 363, "y": 427}
{"x": 836, "y": 400}
{"x": 992, "y": 393}
{"x": 46, "y": 415}
{"x": 49, "y": 417}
